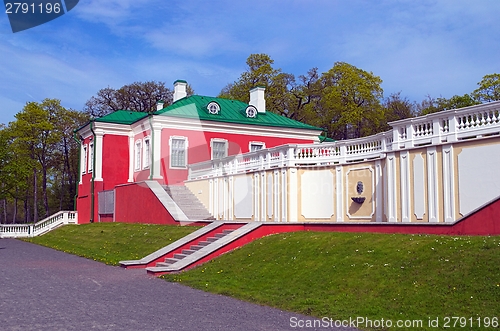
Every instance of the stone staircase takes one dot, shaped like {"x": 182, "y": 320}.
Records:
{"x": 188, "y": 202}
{"x": 198, "y": 247}
{"x": 193, "y": 248}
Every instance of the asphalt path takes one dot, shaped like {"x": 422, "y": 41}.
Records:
{"x": 45, "y": 289}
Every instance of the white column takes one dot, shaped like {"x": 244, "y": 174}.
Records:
{"x": 432, "y": 184}
{"x": 98, "y": 156}
{"x": 263, "y": 196}
{"x": 448, "y": 184}
{"x": 294, "y": 192}
{"x": 284, "y": 191}
{"x": 211, "y": 197}
{"x": 131, "y": 158}
{"x": 256, "y": 197}
{"x": 157, "y": 151}
{"x": 390, "y": 164}
{"x": 276, "y": 195}
{"x": 405, "y": 185}
{"x": 339, "y": 193}
{"x": 231, "y": 198}
{"x": 215, "y": 198}
{"x": 379, "y": 207}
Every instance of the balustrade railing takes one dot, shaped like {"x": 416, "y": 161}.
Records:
{"x": 432, "y": 129}
{"x": 45, "y": 225}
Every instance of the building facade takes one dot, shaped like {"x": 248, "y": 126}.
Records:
{"x": 128, "y": 147}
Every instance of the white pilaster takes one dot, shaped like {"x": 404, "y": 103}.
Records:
{"x": 294, "y": 195}
{"x": 130, "y": 158}
{"x": 98, "y": 156}
{"x": 276, "y": 196}
{"x": 156, "y": 152}
{"x": 231, "y": 197}
{"x": 263, "y": 195}
{"x": 392, "y": 215}
{"x": 256, "y": 197}
{"x": 432, "y": 184}
{"x": 379, "y": 207}
{"x": 448, "y": 184}
{"x": 339, "y": 193}
{"x": 405, "y": 186}
{"x": 284, "y": 214}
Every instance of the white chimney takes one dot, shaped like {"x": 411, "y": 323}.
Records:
{"x": 180, "y": 90}
{"x": 257, "y": 98}
{"x": 160, "y": 104}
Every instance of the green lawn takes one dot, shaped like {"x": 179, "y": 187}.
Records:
{"x": 112, "y": 242}
{"x": 335, "y": 275}
{"x": 342, "y": 275}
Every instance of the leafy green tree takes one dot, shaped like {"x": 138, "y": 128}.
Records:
{"x": 260, "y": 72}
{"x": 351, "y": 102}
{"x": 41, "y": 139}
{"x": 138, "y": 96}
{"x": 397, "y": 108}
{"x": 431, "y": 105}
{"x": 489, "y": 89}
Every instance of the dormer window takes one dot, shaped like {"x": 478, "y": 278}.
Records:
{"x": 213, "y": 108}
{"x": 251, "y": 112}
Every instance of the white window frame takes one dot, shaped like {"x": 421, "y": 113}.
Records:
{"x": 84, "y": 158}
{"x": 137, "y": 154}
{"x": 91, "y": 157}
{"x": 256, "y": 143}
{"x": 146, "y": 152}
{"x": 171, "y": 144}
{"x": 218, "y": 140}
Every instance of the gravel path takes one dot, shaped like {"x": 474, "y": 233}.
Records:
{"x": 44, "y": 289}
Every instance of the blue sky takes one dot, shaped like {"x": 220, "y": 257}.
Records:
{"x": 436, "y": 48}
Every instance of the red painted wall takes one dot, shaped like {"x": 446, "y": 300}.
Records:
{"x": 115, "y": 158}
{"x": 199, "y": 149}
{"x": 136, "y": 203}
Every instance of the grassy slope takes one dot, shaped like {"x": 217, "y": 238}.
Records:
{"x": 338, "y": 275}
{"x": 342, "y": 275}
{"x": 112, "y": 242}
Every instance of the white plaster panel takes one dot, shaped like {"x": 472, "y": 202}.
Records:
{"x": 478, "y": 179}
{"x": 243, "y": 203}
{"x": 419, "y": 186}
{"x": 317, "y": 194}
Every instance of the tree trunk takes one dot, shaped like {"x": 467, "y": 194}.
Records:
{"x": 4, "y": 211}
{"x": 44, "y": 190}
{"x": 35, "y": 196}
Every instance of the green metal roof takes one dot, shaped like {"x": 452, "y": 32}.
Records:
{"x": 231, "y": 111}
{"x": 122, "y": 117}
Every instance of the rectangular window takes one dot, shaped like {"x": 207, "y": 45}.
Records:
{"x": 146, "y": 159}
{"x": 137, "y": 153}
{"x": 91, "y": 156}
{"x": 84, "y": 158}
{"x": 219, "y": 149}
{"x": 178, "y": 155}
{"x": 256, "y": 145}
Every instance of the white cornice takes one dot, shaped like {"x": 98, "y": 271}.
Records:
{"x": 168, "y": 122}
{"x": 103, "y": 128}
{"x": 233, "y": 128}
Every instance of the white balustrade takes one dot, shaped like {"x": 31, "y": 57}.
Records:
{"x": 432, "y": 129}
{"x": 45, "y": 225}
